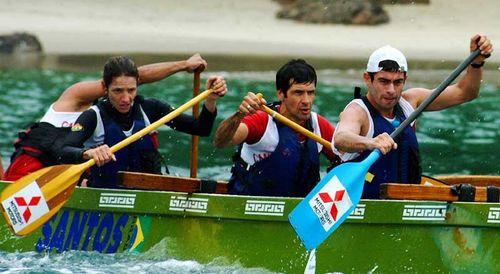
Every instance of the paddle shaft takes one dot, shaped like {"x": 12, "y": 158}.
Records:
{"x": 294, "y": 125}
{"x": 436, "y": 93}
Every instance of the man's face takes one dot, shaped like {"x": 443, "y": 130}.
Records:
{"x": 385, "y": 89}
{"x": 121, "y": 93}
{"x": 298, "y": 103}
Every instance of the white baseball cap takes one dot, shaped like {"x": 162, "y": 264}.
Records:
{"x": 386, "y": 53}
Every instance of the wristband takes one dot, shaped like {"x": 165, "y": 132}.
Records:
{"x": 477, "y": 65}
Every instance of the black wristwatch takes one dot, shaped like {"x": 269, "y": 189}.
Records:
{"x": 477, "y": 65}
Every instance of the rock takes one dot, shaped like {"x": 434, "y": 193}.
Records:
{"x": 357, "y": 12}
{"x": 19, "y": 42}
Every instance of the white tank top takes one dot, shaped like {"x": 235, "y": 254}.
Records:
{"x": 267, "y": 144}
{"x": 60, "y": 118}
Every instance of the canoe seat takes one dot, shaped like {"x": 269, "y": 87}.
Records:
{"x": 145, "y": 181}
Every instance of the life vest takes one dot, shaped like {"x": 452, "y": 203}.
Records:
{"x": 42, "y": 141}
{"x": 398, "y": 166}
{"x": 291, "y": 170}
{"x": 140, "y": 156}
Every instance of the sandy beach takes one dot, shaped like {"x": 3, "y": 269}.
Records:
{"x": 439, "y": 31}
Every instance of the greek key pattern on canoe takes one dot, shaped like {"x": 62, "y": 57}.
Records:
{"x": 358, "y": 213}
{"x": 185, "y": 203}
{"x": 117, "y": 200}
{"x": 424, "y": 212}
{"x": 494, "y": 215}
{"x": 266, "y": 208}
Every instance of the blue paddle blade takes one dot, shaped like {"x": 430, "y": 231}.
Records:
{"x": 330, "y": 202}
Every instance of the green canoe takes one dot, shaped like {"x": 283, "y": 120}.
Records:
{"x": 384, "y": 235}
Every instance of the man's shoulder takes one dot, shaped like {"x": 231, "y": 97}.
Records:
{"x": 415, "y": 95}
{"x": 258, "y": 117}
{"x": 256, "y": 125}
{"x": 356, "y": 105}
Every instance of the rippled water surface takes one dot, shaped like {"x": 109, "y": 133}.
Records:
{"x": 460, "y": 140}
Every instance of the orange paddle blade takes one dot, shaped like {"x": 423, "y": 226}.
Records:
{"x": 31, "y": 201}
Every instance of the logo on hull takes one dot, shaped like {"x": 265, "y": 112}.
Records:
{"x": 424, "y": 212}
{"x": 358, "y": 213}
{"x": 189, "y": 204}
{"x": 117, "y": 200}
{"x": 265, "y": 208}
{"x": 494, "y": 215}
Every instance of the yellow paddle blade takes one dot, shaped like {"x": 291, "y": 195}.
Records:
{"x": 32, "y": 200}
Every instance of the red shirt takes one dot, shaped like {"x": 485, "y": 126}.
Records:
{"x": 257, "y": 124}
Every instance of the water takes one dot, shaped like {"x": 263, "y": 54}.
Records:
{"x": 461, "y": 140}
{"x": 95, "y": 263}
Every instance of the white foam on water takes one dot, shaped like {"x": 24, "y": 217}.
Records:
{"x": 97, "y": 263}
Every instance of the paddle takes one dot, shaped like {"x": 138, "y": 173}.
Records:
{"x": 195, "y": 138}
{"x": 339, "y": 192}
{"x": 32, "y": 200}
{"x": 293, "y": 125}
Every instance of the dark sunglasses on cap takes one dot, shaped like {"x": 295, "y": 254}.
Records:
{"x": 390, "y": 66}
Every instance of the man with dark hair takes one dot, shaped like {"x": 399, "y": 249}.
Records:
{"x": 122, "y": 113}
{"x": 39, "y": 145}
{"x": 365, "y": 123}
{"x": 272, "y": 159}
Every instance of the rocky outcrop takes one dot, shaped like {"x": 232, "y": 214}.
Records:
{"x": 20, "y": 42}
{"x": 356, "y": 12}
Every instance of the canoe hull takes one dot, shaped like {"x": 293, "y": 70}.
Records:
{"x": 253, "y": 232}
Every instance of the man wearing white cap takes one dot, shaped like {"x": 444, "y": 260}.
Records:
{"x": 365, "y": 123}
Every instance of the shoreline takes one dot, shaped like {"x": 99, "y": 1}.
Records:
{"x": 217, "y": 62}
{"x": 436, "y": 31}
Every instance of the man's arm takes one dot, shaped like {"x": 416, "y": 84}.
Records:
{"x": 72, "y": 149}
{"x": 80, "y": 96}
{"x": 350, "y": 134}
{"x": 219, "y": 87}
{"x": 201, "y": 125}
{"x": 155, "y": 72}
{"x": 465, "y": 90}
{"x": 231, "y": 131}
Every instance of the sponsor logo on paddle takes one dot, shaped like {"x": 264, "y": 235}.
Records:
{"x": 424, "y": 212}
{"x": 330, "y": 203}
{"x": 117, "y": 200}
{"x": 494, "y": 215}
{"x": 25, "y": 206}
{"x": 189, "y": 204}
{"x": 266, "y": 208}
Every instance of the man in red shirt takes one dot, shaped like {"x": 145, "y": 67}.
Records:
{"x": 272, "y": 159}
